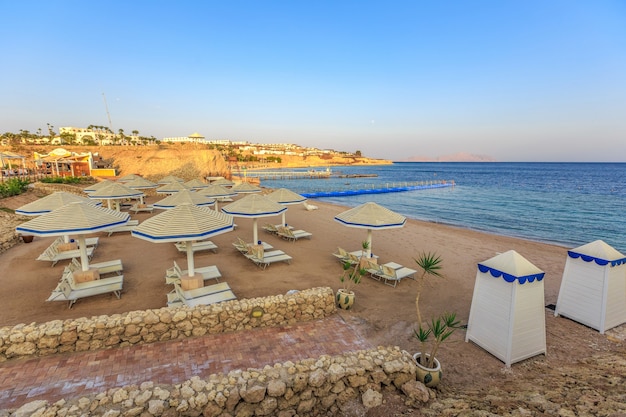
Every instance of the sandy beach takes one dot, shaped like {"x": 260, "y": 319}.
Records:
{"x": 384, "y": 315}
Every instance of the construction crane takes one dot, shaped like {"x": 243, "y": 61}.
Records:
{"x": 107, "y": 110}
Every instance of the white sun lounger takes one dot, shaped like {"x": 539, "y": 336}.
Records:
{"x": 391, "y": 273}
{"x": 137, "y": 207}
{"x": 197, "y": 246}
{"x": 103, "y": 268}
{"x": 200, "y": 296}
{"x": 52, "y": 254}
{"x": 128, "y": 227}
{"x": 174, "y": 274}
{"x": 264, "y": 258}
{"x": 71, "y": 291}
{"x": 292, "y": 235}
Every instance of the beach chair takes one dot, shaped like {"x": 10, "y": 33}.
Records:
{"x": 197, "y": 246}
{"x": 270, "y": 228}
{"x": 200, "y": 296}
{"x": 138, "y": 207}
{"x": 71, "y": 291}
{"x": 263, "y": 259}
{"x": 128, "y": 227}
{"x": 103, "y": 268}
{"x": 341, "y": 254}
{"x": 309, "y": 207}
{"x": 52, "y": 254}
{"x": 292, "y": 235}
{"x": 391, "y": 276}
{"x": 174, "y": 274}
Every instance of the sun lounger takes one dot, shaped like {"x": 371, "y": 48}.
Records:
{"x": 128, "y": 227}
{"x": 292, "y": 235}
{"x": 200, "y": 296}
{"x": 138, "y": 207}
{"x": 263, "y": 258}
{"x": 103, "y": 268}
{"x": 341, "y": 254}
{"x": 71, "y": 291}
{"x": 197, "y": 246}
{"x": 174, "y": 274}
{"x": 52, "y": 254}
{"x": 309, "y": 207}
{"x": 391, "y": 273}
{"x": 270, "y": 228}
{"x": 243, "y": 247}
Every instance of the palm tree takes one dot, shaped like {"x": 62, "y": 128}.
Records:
{"x": 430, "y": 265}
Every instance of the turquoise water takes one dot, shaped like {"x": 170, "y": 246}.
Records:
{"x": 569, "y": 204}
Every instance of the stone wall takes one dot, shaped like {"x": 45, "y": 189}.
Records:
{"x": 136, "y": 327}
{"x": 342, "y": 385}
{"x": 49, "y": 188}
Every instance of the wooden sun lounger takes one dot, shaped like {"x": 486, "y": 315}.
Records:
{"x": 128, "y": 227}
{"x": 174, "y": 274}
{"x": 243, "y": 247}
{"x": 71, "y": 291}
{"x": 197, "y": 246}
{"x": 200, "y": 296}
{"x": 53, "y": 255}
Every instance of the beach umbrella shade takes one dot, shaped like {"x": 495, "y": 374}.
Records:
{"x": 223, "y": 182}
{"x": 196, "y": 184}
{"x": 171, "y": 188}
{"x": 170, "y": 179}
{"x": 51, "y": 202}
{"x": 140, "y": 183}
{"x": 74, "y": 219}
{"x": 285, "y": 197}
{"x": 371, "y": 216}
{"x": 183, "y": 197}
{"x": 129, "y": 177}
{"x": 254, "y": 206}
{"x": 184, "y": 223}
{"x": 217, "y": 192}
{"x": 115, "y": 191}
{"x": 246, "y": 188}
{"x": 94, "y": 187}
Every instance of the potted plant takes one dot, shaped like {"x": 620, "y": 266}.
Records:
{"x": 431, "y": 337}
{"x": 430, "y": 264}
{"x": 352, "y": 273}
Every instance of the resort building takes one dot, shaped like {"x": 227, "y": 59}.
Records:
{"x": 194, "y": 138}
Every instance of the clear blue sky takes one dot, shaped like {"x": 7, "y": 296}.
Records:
{"x": 517, "y": 80}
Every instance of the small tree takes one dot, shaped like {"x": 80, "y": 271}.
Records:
{"x": 440, "y": 328}
{"x": 430, "y": 264}
{"x": 354, "y": 271}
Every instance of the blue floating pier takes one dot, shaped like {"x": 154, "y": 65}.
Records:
{"x": 387, "y": 189}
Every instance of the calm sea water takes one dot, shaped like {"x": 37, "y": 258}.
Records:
{"x": 569, "y": 204}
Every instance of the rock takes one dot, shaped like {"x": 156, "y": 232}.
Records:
{"x": 372, "y": 398}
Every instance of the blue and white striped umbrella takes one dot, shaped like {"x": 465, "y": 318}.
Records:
{"x": 74, "y": 219}
{"x": 183, "y": 197}
{"x": 371, "y": 216}
{"x": 254, "y": 206}
{"x": 184, "y": 223}
{"x": 51, "y": 202}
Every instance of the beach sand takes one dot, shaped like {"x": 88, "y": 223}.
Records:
{"x": 383, "y": 314}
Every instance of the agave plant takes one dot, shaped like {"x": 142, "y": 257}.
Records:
{"x": 353, "y": 271}
{"x": 430, "y": 264}
{"x": 440, "y": 328}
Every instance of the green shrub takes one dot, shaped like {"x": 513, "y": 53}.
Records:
{"x": 13, "y": 186}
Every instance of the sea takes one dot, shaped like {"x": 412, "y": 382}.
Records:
{"x": 567, "y": 204}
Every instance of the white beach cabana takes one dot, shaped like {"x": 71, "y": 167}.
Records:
{"x": 593, "y": 287}
{"x": 507, "y": 316}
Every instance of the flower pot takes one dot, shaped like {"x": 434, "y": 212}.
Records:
{"x": 27, "y": 238}
{"x": 345, "y": 299}
{"x": 428, "y": 376}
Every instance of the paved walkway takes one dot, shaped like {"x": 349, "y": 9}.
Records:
{"x": 72, "y": 375}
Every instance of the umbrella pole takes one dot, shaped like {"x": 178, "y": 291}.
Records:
{"x": 284, "y": 222}
{"x": 82, "y": 247}
{"x": 369, "y": 243}
{"x": 190, "y": 261}
{"x": 255, "y": 234}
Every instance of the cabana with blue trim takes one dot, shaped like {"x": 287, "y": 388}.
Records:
{"x": 593, "y": 287}
{"x": 507, "y": 316}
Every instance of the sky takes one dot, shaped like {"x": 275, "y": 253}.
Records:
{"x": 532, "y": 80}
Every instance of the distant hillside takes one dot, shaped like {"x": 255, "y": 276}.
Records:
{"x": 457, "y": 157}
